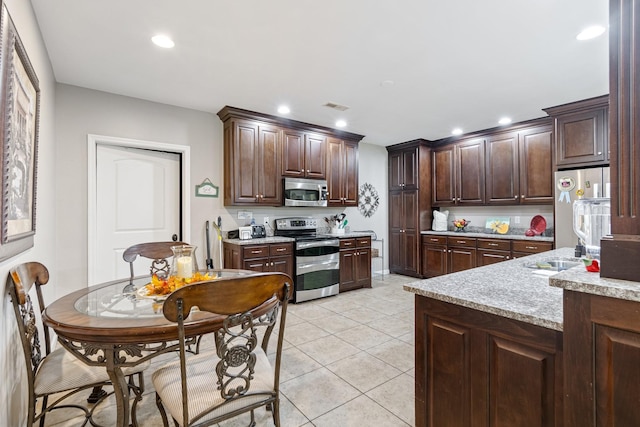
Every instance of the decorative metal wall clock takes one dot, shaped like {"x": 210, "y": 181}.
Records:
{"x": 369, "y": 200}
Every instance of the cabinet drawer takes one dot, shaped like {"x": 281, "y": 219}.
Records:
{"x": 363, "y": 242}
{"x": 531, "y": 247}
{"x": 434, "y": 240}
{"x": 347, "y": 243}
{"x": 279, "y": 249}
{"x": 255, "y": 251}
{"x": 498, "y": 245}
{"x": 461, "y": 242}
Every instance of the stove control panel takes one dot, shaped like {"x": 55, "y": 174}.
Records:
{"x": 296, "y": 223}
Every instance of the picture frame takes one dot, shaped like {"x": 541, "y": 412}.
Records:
{"x": 19, "y": 127}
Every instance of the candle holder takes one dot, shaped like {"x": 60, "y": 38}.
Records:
{"x": 184, "y": 261}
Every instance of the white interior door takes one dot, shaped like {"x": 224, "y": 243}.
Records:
{"x": 138, "y": 200}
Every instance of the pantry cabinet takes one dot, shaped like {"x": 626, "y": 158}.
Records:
{"x": 409, "y": 204}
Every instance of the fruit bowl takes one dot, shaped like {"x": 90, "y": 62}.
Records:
{"x": 460, "y": 224}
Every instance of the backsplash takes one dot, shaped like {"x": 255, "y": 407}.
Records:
{"x": 519, "y": 217}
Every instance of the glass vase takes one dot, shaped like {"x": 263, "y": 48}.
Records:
{"x": 184, "y": 261}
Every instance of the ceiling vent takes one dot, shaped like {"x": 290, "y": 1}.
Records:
{"x": 336, "y": 106}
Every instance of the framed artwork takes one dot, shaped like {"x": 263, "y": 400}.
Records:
{"x": 19, "y": 121}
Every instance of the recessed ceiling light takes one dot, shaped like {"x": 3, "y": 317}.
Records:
{"x": 590, "y": 32}
{"x": 163, "y": 41}
{"x": 341, "y": 123}
{"x": 456, "y": 131}
{"x": 504, "y": 121}
{"x": 283, "y": 109}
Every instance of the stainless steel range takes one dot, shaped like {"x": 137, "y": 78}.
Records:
{"x": 317, "y": 258}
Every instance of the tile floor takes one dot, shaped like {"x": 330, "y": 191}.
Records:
{"x": 348, "y": 360}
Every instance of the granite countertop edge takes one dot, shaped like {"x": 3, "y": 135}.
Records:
{"x": 489, "y": 235}
{"x": 581, "y": 280}
{"x": 283, "y": 239}
{"x": 509, "y": 289}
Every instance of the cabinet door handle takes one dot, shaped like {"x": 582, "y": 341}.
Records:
{"x": 308, "y": 170}
{"x": 507, "y": 257}
{"x": 255, "y": 252}
{"x": 492, "y": 244}
{"x": 280, "y": 249}
{"x": 434, "y": 240}
{"x": 444, "y": 250}
{"x": 522, "y": 196}
{"x": 458, "y": 198}
{"x": 453, "y": 200}
{"x": 531, "y": 247}
{"x": 463, "y": 242}
{"x": 599, "y": 152}
{"x": 515, "y": 197}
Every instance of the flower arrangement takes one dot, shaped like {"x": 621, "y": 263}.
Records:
{"x": 460, "y": 224}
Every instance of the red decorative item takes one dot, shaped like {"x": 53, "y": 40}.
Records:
{"x": 594, "y": 267}
{"x": 538, "y": 225}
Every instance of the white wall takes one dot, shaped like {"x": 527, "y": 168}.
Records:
{"x": 12, "y": 391}
{"x": 81, "y": 112}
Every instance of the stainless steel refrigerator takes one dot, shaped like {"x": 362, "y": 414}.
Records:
{"x": 594, "y": 182}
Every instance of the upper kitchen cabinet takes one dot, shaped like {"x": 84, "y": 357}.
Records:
{"x": 252, "y": 163}
{"x": 342, "y": 177}
{"x": 581, "y": 132}
{"x": 520, "y": 167}
{"x": 458, "y": 173}
{"x": 403, "y": 169}
{"x": 259, "y": 149}
{"x": 303, "y": 154}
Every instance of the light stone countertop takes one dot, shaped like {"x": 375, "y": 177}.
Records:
{"x": 582, "y": 281}
{"x": 489, "y": 235}
{"x": 283, "y": 239}
{"x": 509, "y": 289}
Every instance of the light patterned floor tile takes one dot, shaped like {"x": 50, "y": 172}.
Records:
{"x": 328, "y": 349}
{"x": 334, "y": 323}
{"x": 396, "y": 353}
{"x": 397, "y": 396}
{"x": 363, "y": 371}
{"x": 303, "y": 332}
{"x": 359, "y": 412}
{"x": 363, "y": 337}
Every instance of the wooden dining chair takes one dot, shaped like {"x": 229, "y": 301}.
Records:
{"x": 237, "y": 376}
{"x": 158, "y": 252}
{"x": 56, "y": 371}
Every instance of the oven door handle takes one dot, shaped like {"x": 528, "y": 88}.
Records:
{"x": 317, "y": 266}
{"x": 318, "y": 244}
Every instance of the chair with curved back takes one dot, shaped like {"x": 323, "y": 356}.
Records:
{"x": 56, "y": 371}
{"x": 157, "y": 252}
{"x": 237, "y": 376}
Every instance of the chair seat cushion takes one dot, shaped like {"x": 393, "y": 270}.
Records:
{"x": 61, "y": 371}
{"x": 202, "y": 389}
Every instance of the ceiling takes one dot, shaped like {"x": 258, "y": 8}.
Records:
{"x": 460, "y": 63}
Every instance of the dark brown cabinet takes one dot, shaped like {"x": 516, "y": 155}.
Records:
{"x": 355, "y": 263}
{"x": 602, "y": 350}
{"x": 459, "y": 174}
{"x": 260, "y": 149}
{"x": 462, "y": 253}
{"x": 404, "y": 233}
{"x": 478, "y": 369}
{"x": 409, "y": 205}
{"x": 342, "y": 175}
{"x": 520, "y": 167}
{"x": 434, "y": 255}
{"x": 520, "y": 248}
{"x": 303, "y": 154}
{"x": 491, "y": 251}
{"x": 581, "y": 132}
{"x": 252, "y": 156}
{"x": 403, "y": 169}
{"x": 273, "y": 257}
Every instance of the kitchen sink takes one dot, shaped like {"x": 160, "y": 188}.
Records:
{"x": 554, "y": 264}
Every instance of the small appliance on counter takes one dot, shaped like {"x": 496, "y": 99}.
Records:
{"x": 258, "y": 231}
{"x": 242, "y": 233}
{"x": 591, "y": 222}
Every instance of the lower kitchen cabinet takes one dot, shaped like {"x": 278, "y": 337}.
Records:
{"x": 602, "y": 350}
{"x": 434, "y": 255}
{"x": 355, "y": 263}
{"x": 462, "y": 253}
{"x": 267, "y": 257}
{"x": 479, "y": 369}
{"x": 522, "y": 248}
{"x": 491, "y": 251}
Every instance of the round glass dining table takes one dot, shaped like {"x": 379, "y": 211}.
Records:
{"x": 117, "y": 324}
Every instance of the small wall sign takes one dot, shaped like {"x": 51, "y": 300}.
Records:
{"x": 206, "y": 189}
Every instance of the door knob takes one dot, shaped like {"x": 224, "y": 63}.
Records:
{"x": 174, "y": 238}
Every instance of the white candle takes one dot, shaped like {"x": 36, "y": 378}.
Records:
{"x": 185, "y": 267}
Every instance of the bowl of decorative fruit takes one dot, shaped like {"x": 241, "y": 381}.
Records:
{"x": 460, "y": 224}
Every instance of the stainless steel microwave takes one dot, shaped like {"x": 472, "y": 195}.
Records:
{"x": 305, "y": 192}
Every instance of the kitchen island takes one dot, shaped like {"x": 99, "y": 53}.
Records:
{"x": 489, "y": 346}
{"x": 510, "y": 345}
